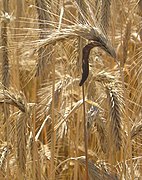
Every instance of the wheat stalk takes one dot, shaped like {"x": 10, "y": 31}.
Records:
{"x": 15, "y": 61}
{"x": 35, "y": 160}
{"x": 5, "y": 69}
{"x": 126, "y": 40}
{"x": 43, "y": 51}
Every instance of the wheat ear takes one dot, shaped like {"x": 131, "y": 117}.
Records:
{"x": 21, "y": 143}
{"x": 115, "y": 124}
{"x": 136, "y": 130}
{"x": 105, "y": 14}
{"x": 4, "y": 152}
{"x": 15, "y": 99}
{"x": 98, "y": 172}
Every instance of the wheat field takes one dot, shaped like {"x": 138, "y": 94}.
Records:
{"x": 71, "y": 89}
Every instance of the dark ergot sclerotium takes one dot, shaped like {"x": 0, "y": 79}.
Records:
{"x": 98, "y": 41}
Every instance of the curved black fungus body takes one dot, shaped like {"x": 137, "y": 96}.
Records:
{"x": 85, "y": 62}
{"x": 99, "y": 42}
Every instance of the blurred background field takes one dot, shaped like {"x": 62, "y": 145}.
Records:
{"x": 41, "y": 102}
